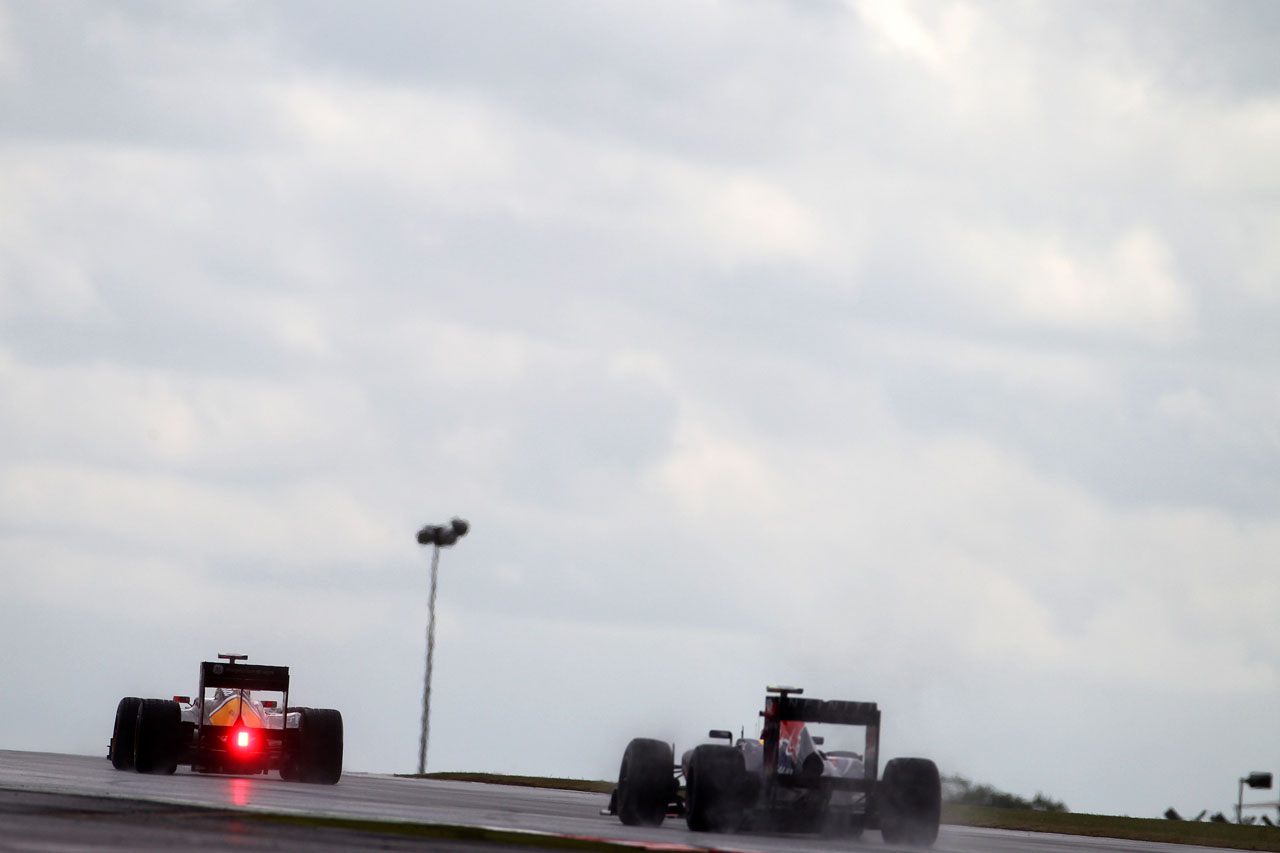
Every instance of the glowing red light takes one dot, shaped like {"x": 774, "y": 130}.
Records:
{"x": 242, "y": 739}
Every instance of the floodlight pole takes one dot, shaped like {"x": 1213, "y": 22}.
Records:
{"x": 438, "y": 536}
{"x": 431, "y": 647}
{"x": 1255, "y": 779}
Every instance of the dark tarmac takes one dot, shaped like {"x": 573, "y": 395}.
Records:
{"x": 37, "y": 821}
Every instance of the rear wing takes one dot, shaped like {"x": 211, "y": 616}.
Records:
{"x": 240, "y": 676}
{"x": 244, "y": 676}
{"x": 835, "y": 711}
{"x": 787, "y": 706}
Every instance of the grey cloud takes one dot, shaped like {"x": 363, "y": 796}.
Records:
{"x": 720, "y": 323}
{"x": 106, "y": 73}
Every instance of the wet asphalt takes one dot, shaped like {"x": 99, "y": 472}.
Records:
{"x": 54, "y": 802}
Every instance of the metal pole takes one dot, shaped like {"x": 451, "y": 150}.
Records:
{"x": 431, "y": 645}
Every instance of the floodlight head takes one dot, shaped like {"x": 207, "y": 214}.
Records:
{"x": 443, "y": 536}
{"x": 1258, "y": 780}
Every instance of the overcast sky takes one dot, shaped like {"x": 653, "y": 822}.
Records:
{"x": 922, "y": 353}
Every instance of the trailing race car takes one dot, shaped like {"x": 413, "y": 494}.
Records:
{"x": 784, "y": 780}
{"x": 229, "y": 728}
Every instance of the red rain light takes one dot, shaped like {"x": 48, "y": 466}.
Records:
{"x": 242, "y": 739}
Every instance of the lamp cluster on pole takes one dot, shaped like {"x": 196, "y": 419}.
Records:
{"x": 1255, "y": 779}
{"x": 439, "y": 536}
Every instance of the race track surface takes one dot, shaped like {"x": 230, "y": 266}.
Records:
{"x": 29, "y": 778}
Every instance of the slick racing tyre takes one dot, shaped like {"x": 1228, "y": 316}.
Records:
{"x": 645, "y": 782}
{"x": 910, "y": 802}
{"x": 156, "y": 736}
{"x": 319, "y": 746}
{"x": 714, "y": 783}
{"x": 121, "y": 750}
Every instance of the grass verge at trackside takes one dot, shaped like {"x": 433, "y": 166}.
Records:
{"x": 589, "y": 785}
{"x": 1200, "y": 833}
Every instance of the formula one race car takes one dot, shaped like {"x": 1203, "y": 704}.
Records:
{"x": 784, "y": 780}
{"x": 230, "y": 729}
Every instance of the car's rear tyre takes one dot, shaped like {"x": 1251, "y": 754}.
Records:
{"x": 910, "y": 802}
{"x": 319, "y": 758}
{"x": 714, "y": 783}
{"x": 645, "y": 782}
{"x": 121, "y": 749}
{"x": 290, "y": 770}
{"x": 156, "y": 736}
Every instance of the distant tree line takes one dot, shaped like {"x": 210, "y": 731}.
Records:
{"x": 961, "y": 791}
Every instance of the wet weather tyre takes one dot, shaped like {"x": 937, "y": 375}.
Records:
{"x": 910, "y": 802}
{"x": 714, "y": 784}
{"x": 156, "y": 737}
{"x": 121, "y": 750}
{"x": 320, "y": 746}
{"x": 645, "y": 782}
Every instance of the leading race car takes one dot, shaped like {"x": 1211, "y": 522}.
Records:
{"x": 230, "y": 728}
{"x": 784, "y": 780}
